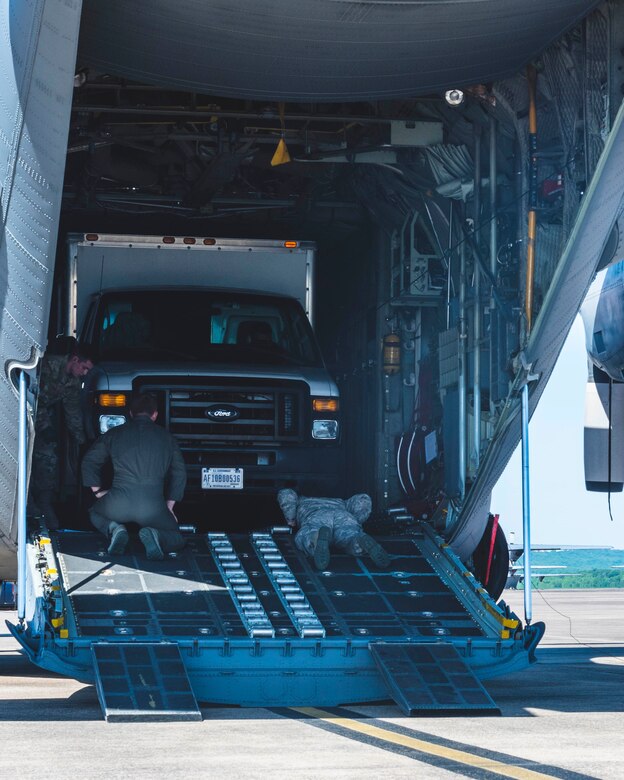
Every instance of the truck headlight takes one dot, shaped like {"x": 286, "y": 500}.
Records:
{"x": 325, "y": 429}
{"x": 108, "y": 421}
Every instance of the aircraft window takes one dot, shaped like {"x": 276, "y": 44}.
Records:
{"x": 599, "y": 342}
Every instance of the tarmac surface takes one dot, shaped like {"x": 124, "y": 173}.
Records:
{"x": 560, "y": 718}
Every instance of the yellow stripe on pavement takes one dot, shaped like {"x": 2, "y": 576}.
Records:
{"x": 430, "y": 748}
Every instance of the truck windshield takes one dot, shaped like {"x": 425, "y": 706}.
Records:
{"x": 187, "y": 325}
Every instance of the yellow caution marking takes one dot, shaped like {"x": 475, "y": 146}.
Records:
{"x": 64, "y": 633}
{"x": 51, "y": 572}
{"x": 57, "y": 622}
{"x": 281, "y": 155}
{"x": 430, "y": 748}
{"x": 505, "y": 622}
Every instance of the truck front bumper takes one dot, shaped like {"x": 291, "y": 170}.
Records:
{"x": 310, "y": 470}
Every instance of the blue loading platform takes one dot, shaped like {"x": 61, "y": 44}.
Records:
{"x": 247, "y": 620}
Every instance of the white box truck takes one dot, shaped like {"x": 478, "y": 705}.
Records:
{"x": 217, "y": 329}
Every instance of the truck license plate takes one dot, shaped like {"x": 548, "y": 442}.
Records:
{"x": 222, "y": 479}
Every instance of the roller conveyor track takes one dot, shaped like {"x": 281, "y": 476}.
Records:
{"x": 190, "y": 595}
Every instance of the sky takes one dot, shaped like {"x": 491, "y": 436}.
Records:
{"x": 562, "y": 511}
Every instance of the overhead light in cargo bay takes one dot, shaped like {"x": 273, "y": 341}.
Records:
{"x": 112, "y": 399}
{"x": 454, "y": 97}
{"x": 290, "y": 244}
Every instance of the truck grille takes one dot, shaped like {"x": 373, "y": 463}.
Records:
{"x": 238, "y": 413}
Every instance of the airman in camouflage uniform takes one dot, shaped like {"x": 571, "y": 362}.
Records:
{"x": 59, "y": 385}
{"x": 322, "y": 522}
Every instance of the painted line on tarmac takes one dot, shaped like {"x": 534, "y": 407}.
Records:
{"x": 446, "y": 754}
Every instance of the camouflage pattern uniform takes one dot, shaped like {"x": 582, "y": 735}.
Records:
{"x": 56, "y": 387}
{"x": 344, "y": 518}
{"x": 325, "y": 521}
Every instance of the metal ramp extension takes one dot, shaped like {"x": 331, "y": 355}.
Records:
{"x": 143, "y": 682}
{"x": 430, "y": 679}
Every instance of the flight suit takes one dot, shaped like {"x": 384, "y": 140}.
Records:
{"x": 56, "y": 387}
{"x": 148, "y": 470}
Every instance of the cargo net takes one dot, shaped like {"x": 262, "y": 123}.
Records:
{"x": 577, "y": 75}
{"x": 597, "y": 105}
{"x": 573, "y": 124}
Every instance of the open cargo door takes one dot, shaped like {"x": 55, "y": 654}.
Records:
{"x": 36, "y": 83}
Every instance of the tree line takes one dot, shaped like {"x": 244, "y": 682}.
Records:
{"x": 596, "y": 578}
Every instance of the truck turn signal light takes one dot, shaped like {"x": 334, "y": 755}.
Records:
{"x": 112, "y": 399}
{"x": 325, "y": 404}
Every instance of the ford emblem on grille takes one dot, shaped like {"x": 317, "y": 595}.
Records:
{"x": 222, "y": 413}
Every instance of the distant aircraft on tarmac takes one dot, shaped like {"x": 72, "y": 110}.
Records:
{"x": 516, "y": 571}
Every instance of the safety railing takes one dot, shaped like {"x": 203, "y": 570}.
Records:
{"x": 22, "y": 487}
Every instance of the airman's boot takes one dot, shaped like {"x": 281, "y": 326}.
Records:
{"x": 151, "y": 542}
{"x": 377, "y": 553}
{"x": 321, "y": 551}
{"x": 118, "y": 539}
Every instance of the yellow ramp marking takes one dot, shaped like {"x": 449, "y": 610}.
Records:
{"x": 432, "y": 749}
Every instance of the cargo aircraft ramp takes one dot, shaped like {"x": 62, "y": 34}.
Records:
{"x": 247, "y": 620}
